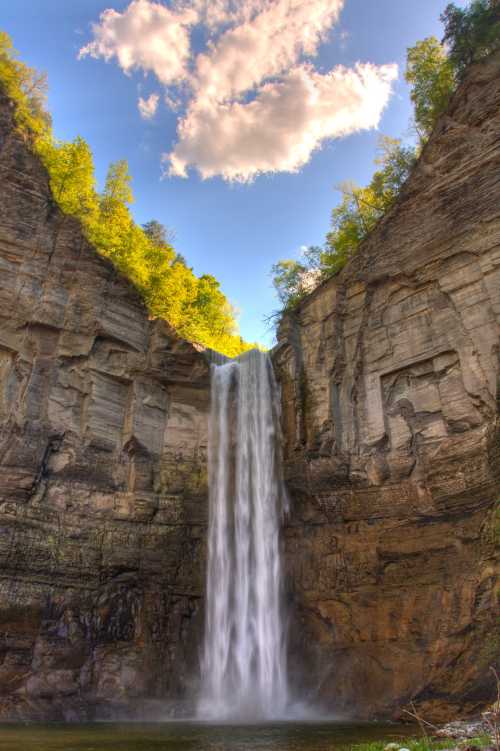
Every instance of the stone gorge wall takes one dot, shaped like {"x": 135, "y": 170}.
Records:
{"x": 390, "y": 404}
{"x": 103, "y": 418}
{"x": 390, "y": 385}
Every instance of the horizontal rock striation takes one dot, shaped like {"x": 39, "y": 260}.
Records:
{"x": 390, "y": 384}
{"x": 390, "y": 388}
{"x": 103, "y": 417}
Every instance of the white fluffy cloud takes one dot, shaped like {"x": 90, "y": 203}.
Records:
{"x": 279, "y": 130}
{"x": 266, "y": 45}
{"x": 147, "y": 107}
{"x": 147, "y": 35}
{"x": 255, "y": 103}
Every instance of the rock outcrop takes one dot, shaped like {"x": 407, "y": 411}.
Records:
{"x": 390, "y": 386}
{"x": 103, "y": 417}
{"x": 390, "y": 383}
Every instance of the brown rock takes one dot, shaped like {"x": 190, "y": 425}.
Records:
{"x": 390, "y": 402}
{"x": 103, "y": 417}
{"x": 390, "y": 378}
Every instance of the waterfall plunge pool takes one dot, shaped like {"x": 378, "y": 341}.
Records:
{"x": 244, "y": 671}
{"x": 184, "y": 736}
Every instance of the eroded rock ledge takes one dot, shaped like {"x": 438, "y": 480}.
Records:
{"x": 390, "y": 384}
{"x": 103, "y": 418}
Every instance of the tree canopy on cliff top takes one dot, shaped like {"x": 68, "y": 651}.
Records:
{"x": 433, "y": 70}
{"x": 195, "y": 306}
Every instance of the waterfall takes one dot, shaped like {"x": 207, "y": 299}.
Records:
{"x": 244, "y": 658}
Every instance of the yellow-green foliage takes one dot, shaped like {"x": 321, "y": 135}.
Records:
{"x": 471, "y": 33}
{"x": 431, "y": 76}
{"x": 433, "y": 71}
{"x": 26, "y": 88}
{"x": 196, "y": 307}
{"x": 351, "y": 221}
{"x": 361, "y": 208}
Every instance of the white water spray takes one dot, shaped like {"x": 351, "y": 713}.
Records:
{"x": 244, "y": 661}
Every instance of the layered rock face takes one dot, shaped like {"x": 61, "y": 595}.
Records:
{"x": 390, "y": 383}
{"x": 389, "y": 377}
{"x": 103, "y": 417}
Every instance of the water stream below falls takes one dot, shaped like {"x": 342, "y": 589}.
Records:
{"x": 244, "y": 658}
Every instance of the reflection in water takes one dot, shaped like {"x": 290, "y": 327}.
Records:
{"x": 194, "y": 737}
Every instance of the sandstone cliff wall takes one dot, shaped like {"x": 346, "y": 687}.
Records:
{"x": 103, "y": 418}
{"x": 389, "y": 377}
{"x": 390, "y": 384}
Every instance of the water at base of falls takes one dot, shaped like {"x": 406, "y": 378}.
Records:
{"x": 244, "y": 658}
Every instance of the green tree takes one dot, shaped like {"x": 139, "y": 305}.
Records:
{"x": 27, "y": 88}
{"x": 433, "y": 70}
{"x": 361, "y": 208}
{"x": 179, "y": 258}
{"x": 158, "y": 233}
{"x": 431, "y": 76}
{"x": 293, "y": 279}
{"x": 197, "y": 308}
{"x": 352, "y": 220}
{"x": 396, "y": 163}
{"x": 212, "y": 307}
{"x": 471, "y": 33}
{"x": 72, "y": 179}
{"x": 113, "y": 233}
{"x": 286, "y": 276}
{"x": 117, "y": 188}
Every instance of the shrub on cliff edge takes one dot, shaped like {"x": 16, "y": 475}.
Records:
{"x": 433, "y": 70}
{"x": 195, "y": 306}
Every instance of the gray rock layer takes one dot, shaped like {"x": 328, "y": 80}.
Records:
{"x": 390, "y": 385}
{"x": 103, "y": 417}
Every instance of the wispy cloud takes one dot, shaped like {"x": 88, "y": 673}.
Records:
{"x": 147, "y": 107}
{"x": 255, "y": 102}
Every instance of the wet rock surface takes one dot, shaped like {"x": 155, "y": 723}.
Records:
{"x": 390, "y": 390}
{"x": 103, "y": 417}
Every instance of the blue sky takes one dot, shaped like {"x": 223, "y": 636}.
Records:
{"x": 232, "y": 229}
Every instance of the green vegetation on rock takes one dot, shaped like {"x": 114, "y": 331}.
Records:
{"x": 433, "y": 70}
{"x": 195, "y": 306}
{"x": 471, "y": 33}
{"x": 431, "y": 77}
{"x": 351, "y": 221}
{"x": 422, "y": 744}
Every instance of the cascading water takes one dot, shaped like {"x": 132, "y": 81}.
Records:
{"x": 244, "y": 660}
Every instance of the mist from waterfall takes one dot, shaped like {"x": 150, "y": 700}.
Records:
{"x": 244, "y": 672}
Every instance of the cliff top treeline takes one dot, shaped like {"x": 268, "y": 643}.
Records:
{"x": 195, "y": 306}
{"x": 434, "y": 69}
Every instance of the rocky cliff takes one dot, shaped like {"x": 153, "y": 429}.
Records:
{"x": 389, "y": 377}
{"x": 103, "y": 471}
{"x": 390, "y": 384}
